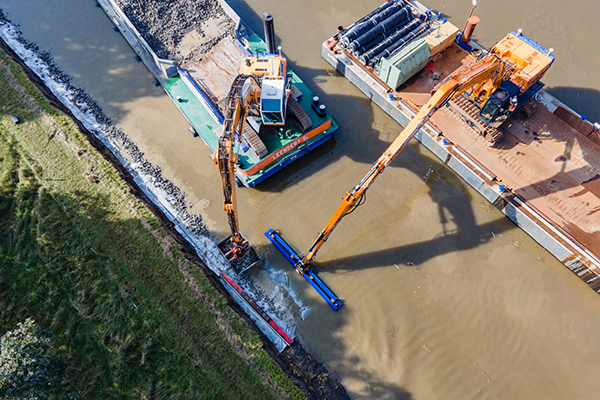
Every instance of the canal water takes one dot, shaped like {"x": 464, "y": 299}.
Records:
{"x": 444, "y": 297}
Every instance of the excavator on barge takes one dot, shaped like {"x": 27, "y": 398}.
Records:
{"x": 497, "y": 83}
{"x": 261, "y": 89}
{"x": 246, "y": 95}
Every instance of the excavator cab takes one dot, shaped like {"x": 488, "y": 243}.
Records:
{"x": 498, "y": 106}
{"x": 271, "y": 69}
{"x": 272, "y": 101}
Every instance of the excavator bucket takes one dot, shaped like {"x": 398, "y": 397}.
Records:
{"x": 294, "y": 258}
{"x": 241, "y": 256}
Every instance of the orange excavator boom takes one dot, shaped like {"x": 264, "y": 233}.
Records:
{"x": 508, "y": 62}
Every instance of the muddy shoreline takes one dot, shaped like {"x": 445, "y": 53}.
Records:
{"x": 302, "y": 368}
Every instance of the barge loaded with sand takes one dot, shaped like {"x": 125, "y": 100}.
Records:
{"x": 539, "y": 164}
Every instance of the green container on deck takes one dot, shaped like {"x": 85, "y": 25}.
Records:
{"x": 401, "y": 66}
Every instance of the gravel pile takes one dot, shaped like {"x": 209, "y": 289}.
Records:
{"x": 163, "y": 23}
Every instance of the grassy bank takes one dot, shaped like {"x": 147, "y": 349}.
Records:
{"x": 88, "y": 261}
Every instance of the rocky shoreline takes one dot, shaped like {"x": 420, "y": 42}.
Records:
{"x": 309, "y": 374}
{"x": 87, "y": 104}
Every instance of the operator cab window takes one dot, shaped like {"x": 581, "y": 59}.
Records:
{"x": 271, "y": 111}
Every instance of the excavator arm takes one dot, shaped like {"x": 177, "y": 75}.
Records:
{"x": 226, "y": 157}
{"x": 456, "y": 84}
{"x": 244, "y": 90}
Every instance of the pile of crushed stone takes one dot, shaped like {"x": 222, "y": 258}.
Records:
{"x": 164, "y": 23}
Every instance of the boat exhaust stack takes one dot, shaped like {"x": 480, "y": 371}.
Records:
{"x": 469, "y": 26}
{"x": 269, "y": 32}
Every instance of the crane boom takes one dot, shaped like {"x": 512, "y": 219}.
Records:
{"x": 237, "y": 106}
{"x": 454, "y": 85}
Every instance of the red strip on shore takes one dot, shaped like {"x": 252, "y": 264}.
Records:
{"x": 256, "y": 308}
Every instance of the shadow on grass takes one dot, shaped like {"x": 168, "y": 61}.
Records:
{"x": 112, "y": 295}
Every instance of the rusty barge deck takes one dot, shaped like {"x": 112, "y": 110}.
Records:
{"x": 544, "y": 174}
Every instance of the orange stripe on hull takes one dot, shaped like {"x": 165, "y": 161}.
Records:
{"x": 283, "y": 151}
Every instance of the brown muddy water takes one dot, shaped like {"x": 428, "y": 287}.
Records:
{"x": 444, "y": 297}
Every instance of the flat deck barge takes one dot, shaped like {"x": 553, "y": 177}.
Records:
{"x": 544, "y": 174}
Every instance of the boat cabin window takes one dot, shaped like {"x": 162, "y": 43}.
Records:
{"x": 271, "y": 112}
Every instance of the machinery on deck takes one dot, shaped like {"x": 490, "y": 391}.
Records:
{"x": 515, "y": 80}
{"x": 498, "y": 83}
{"x": 261, "y": 89}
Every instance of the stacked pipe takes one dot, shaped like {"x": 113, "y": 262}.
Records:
{"x": 398, "y": 35}
{"x": 382, "y": 32}
{"x": 370, "y": 21}
{"x": 383, "y": 37}
{"x": 396, "y": 46}
{"x": 363, "y": 19}
{"x": 389, "y": 24}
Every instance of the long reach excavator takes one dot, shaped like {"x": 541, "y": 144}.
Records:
{"x": 498, "y": 83}
{"x": 260, "y": 88}
{"x": 256, "y": 106}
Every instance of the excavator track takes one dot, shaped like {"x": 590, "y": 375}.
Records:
{"x": 250, "y": 137}
{"x": 467, "y": 112}
{"x": 305, "y": 121}
{"x": 254, "y": 142}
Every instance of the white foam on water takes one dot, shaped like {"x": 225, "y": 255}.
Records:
{"x": 281, "y": 278}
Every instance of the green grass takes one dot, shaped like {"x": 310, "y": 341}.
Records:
{"x": 88, "y": 261}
